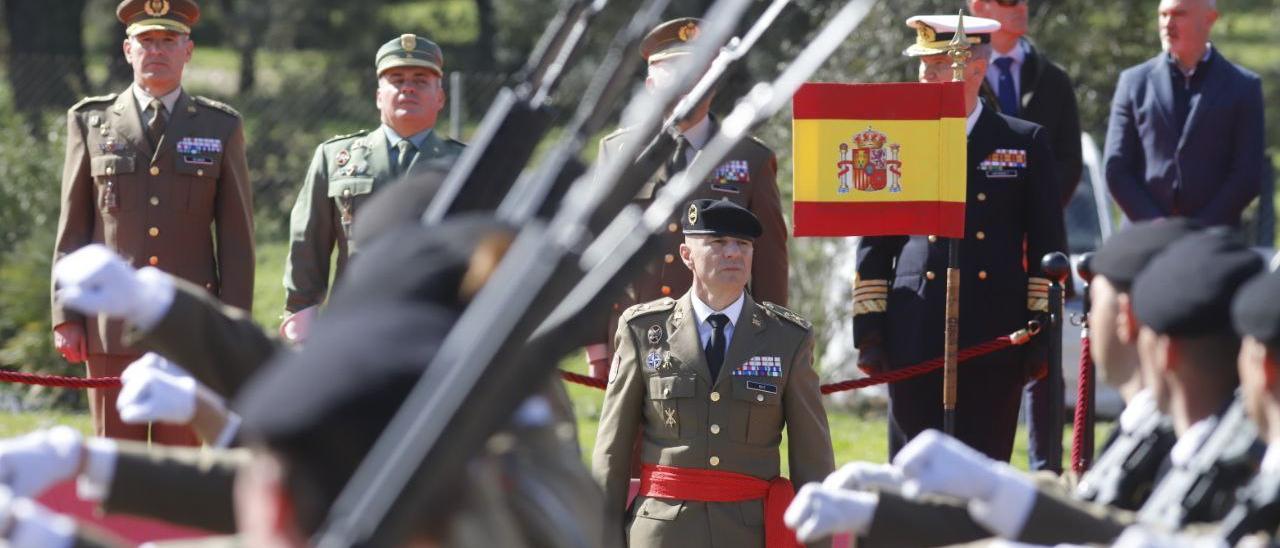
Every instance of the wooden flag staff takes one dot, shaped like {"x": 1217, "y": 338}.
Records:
{"x": 959, "y": 52}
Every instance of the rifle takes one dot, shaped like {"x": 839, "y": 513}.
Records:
{"x": 1126, "y": 471}
{"x": 1257, "y": 511}
{"x": 1203, "y": 490}
{"x": 517, "y": 119}
{"x": 490, "y": 380}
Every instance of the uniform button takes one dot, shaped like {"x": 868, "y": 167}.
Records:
{"x": 346, "y": 193}
{"x": 154, "y": 260}
{"x": 930, "y": 275}
{"x": 666, "y": 391}
{"x": 666, "y": 290}
{"x": 155, "y": 170}
{"x": 715, "y": 396}
{"x": 673, "y": 227}
{"x": 982, "y": 235}
{"x": 617, "y": 306}
{"x": 715, "y": 461}
{"x": 155, "y": 201}
{"x": 759, "y": 397}
{"x": 199, "y": 173}
{"x": 153, "y": 231}
{"x": 715, "y": 429}
{"x": 110, "y": 170}
{"x": 933, "y": 239}
{"x": 982, "y": 274}
{"x": 669, "y": 258}
{"x": 982, "y": 196}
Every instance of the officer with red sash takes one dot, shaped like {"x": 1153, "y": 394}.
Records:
{"x": 708, "y": 382}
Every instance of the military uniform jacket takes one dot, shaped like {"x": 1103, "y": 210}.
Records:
{"x": 749, "y": 178}
{"x": 660, "y": 389}
{"x": 184, "y": 206}
{"x": 1012, "y": 198}
{"x": 185, "y": 485}
{"x": 344, "y": 173}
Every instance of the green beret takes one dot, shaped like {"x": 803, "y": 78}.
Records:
{"x": 410, "y": 51}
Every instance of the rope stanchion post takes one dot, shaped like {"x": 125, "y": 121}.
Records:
{"x": 1082, "y": 442}
{"x": 1057, "y": 267}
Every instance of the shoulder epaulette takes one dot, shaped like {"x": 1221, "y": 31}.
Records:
{"x": 615, "y": 134}
{"x": 347, "y": 136}
{"x": 786, "y": 314}
{"x": 756, "y": 140}
{"x": 455, "y": 142}
{"x": 95, "y": 99}
{"x": 217, "y": 105}
{"x": 664, "y": 304}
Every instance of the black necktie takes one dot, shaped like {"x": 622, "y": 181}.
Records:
{"x": 155, "y": 125}
{"x": 680, "y": 159}
{"x": 715, "y": 348}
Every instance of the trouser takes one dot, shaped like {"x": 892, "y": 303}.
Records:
{"x": 988, "y": 398}
{"x": 1040, "y": 436}
{"x": 106, "y": 420}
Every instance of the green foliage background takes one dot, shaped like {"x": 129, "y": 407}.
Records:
{"x": 300, "y": 71}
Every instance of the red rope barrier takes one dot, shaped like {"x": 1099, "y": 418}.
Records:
{"x": 996, "y": 344}
{"x": 58, "y": 381}
{"x": 1084, "y": 402}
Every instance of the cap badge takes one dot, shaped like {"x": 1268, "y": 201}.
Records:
{"x": 688, "y": 32}
{"x": 925, "y": 34}
{"x": 408, "y": 42}
{"x": 156, "y": 8}
{"x": 693, "y": 214}
{"x": 655, "y": 335}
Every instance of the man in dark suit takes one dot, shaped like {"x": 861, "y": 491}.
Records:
{"x": 748, "y": 177}
{"x": 900, "y": 291}
{"x": 1186, "y": 132}
{"x": 1029, "y": 86}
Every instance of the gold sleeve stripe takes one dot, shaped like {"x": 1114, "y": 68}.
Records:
{"x": 870, "y": 307}
{"x": 1037, "y": 304}
{"x": 871, "y": 292}
{"x": 1038, "y": 293}
{"x": 871, "y": 283}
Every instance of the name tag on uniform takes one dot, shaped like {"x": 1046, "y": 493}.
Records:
{"x": 762, "y": 387}
{"x": 1004, "y": 163}
{"x": 199, "y": 150}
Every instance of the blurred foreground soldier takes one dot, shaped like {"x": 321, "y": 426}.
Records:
{"x": 348, "y": 169}
{"x": 160, "y": 177}
{"x": 1186, "y": 135}
{"x": 1012, "y": 219}
{"x": 748, "y": 177}
{"x": 1188, "y": 352}
{"x": 708, "y": 382}
{"x": 1029, "y": 86}
{"x": 865, "y": 498}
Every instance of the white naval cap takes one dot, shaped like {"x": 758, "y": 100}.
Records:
{"x": 934, "y": 32}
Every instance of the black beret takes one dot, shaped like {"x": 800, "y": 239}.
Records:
{"x": 721, "y": 218}
{"x": 1186, "y": 291}
{"x": 1126, "y": 252}
{"x": 1256, "y": 310}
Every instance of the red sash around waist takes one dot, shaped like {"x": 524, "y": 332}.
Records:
{"x": 672, "y": 482}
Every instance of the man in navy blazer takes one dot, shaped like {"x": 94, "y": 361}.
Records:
{"x": 1186, "y": 130}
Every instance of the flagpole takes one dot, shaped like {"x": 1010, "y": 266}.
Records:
{"x": 959, "y": 52}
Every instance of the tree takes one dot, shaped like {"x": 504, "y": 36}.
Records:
{"x": 46, "y": 55}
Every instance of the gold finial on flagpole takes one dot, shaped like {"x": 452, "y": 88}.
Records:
{"x": 958, "y": 49}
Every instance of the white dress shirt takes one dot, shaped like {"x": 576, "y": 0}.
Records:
{"x": 701, "y": 311}
{"x": 698, "y": 136}
{"x": 144, "y": 100}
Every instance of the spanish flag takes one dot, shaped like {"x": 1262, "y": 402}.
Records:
{"x": 879, "y": 159}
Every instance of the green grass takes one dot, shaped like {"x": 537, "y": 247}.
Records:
{"x": 16, "y": 424}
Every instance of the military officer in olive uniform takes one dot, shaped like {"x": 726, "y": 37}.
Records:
{"x": 708, "y": 382}
{"x": 748, "y": 177}
{"x": 160, "y": 177}
{"x": 1012, "y": 219}
{"x": 346, "y": 170}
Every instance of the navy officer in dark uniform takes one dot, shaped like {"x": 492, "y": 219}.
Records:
{"x": 1012, "y": 219}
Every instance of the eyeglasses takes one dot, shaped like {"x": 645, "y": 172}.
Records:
{"x": 1009, "y": 3}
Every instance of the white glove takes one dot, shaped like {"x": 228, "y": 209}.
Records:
{"x": 31, "y": 525}
{"x": 94, "y": 280}
{"x": 999, "y": 497}
{"x": 31, "y": 464}
{"x": 156, "y": 390}
{"x": 819, "y": 511}
{"x": 865, "y": 476}
{"x": 297, "y": 326}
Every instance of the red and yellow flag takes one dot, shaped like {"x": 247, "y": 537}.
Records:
{"x": 879, "y": 159}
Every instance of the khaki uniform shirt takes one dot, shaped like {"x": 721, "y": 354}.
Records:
{"x": 344, "y": 173}
{"x": 660, "y": 389}
{"x": 749, "y": 178}
{"x": 184, "y": 206}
